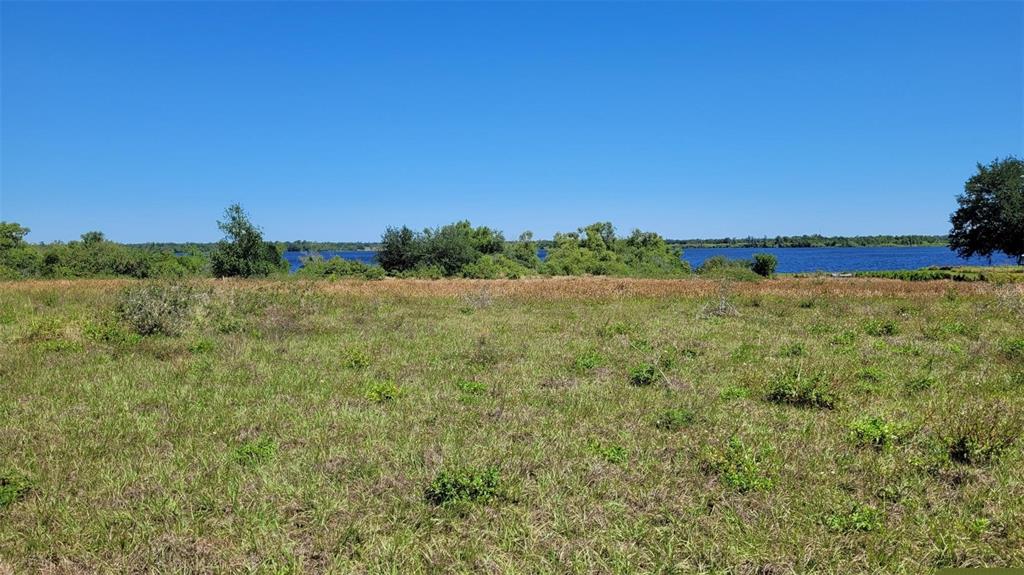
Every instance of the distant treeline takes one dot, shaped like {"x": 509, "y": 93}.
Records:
{"x": 814, "y": 241}
{"x": 804, "y": 241}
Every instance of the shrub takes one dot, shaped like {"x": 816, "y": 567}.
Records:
{"x": 674, "y": 419}
{"x": 721, "y": 267}
{"x": 13, "y": 486}
{"x": 858, "y": 517}
{"x": 794, "y": 388}
{"x": 336, "y": 267}
{"x": 979, "y": 432}
{"x": 875, "y": 432}
{"x": 764, "y": 265}
{"x": 255, "y": 452}
{"x": 464, "y": 485}
{"x": 382, "y": 391}
{"x": 157, "y": 308}
{"x": 643, "y": 374}
{"x": 878, "y": 327}
{"x": 739, "y": 466}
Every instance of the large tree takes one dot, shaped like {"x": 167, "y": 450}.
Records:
{"x": 991, "y": 214}
{"x": 243, "y": 252}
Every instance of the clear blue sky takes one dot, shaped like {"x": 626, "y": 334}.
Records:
{"x": 330, "y": 121}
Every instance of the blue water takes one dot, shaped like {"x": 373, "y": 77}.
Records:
{"x": 791, "y": 260}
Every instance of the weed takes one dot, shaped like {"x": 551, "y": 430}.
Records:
{"x": 13, "y": 486}
{"x": 794, "y": 388}
{"x": 615, "y": 328}
{"x": 739, "y": 466}
{"x": 1013, "y": 349}
{"x": 611, "y": 453}
{"x": 881, "y": 327}
{"x": 643, "y": 374}
{"x": 255, "y": 452}
{"x": 355, "y": 359}
{"x": 201, "y": 345}
{"x": 464, "y": 484}
{"x": 382, "y": 391}
{"x": 795, "y": 349}
{"x": 979, "y": 432}
{"x": 922, "y": 382}
{"x": 471, "y": 387}
{"x": 588, "y": 360}
{"x": 675, "y": 419}
{"x": 875, "y": 432}
{"x": 734, "y": 392}
{"x": 857, "y": 518}
{"x": 844, "y": 339}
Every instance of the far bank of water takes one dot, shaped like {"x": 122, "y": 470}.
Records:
{"x": 791, "y": 260}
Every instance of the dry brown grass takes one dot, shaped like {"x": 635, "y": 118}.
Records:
{"x": 597, "y": 288}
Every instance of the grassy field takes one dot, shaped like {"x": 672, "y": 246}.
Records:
{"x": 531, "y": 426}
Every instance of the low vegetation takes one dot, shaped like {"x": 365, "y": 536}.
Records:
{"x": 535, "y": 425}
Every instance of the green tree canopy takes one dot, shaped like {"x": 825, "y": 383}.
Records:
{"x": 991, "y": 214}
{"x": 242, "y": 252}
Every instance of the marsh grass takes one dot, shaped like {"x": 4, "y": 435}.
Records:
{"x": 368, "y": 427}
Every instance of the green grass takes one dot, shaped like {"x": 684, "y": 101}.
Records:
{"x": 310, "y": 428}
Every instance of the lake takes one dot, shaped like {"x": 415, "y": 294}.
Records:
{"x": 791, "y": 260}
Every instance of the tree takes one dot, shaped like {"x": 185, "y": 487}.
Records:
{"x": 991, "y": 214}
{"x": 398, "y": 250}
{"x": 17, "y": 258}
{"x": 242, "y": 252}
{"x": 764, "y": 264}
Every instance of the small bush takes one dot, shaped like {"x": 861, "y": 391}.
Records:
{"x": 336, "y": 268}
{"x": 588, "y": 360}
{"x": 875, "y": 432}
{"x": 794, "y": 388}
{"x": 13, "y": 486}
{"x": 881, "y": 327}
{"x": 463, "y": 485}
{"x": 858, "y": 518}
{"x": 675, "y": 419}
{"x": 979, "y": 432}
{"x": 382, "y": 391}
{"x": 739, "y": 466}
{"x": 764, "y": 265}
{"x": 643, "y": 375}
{"x": 157, "y": 308}
{"x": 255, "y": 452}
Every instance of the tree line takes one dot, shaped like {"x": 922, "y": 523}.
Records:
{"x": 989, "y": 219}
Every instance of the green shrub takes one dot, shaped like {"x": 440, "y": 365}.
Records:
{"x": 675, "y": 419}
{"x": 13, "y": 486}
{"x": 110, "y": 332}
{"x": 764, "y": 265}
{"x": 858, "y": 517}
{"x": 880, "y": 327}
{"x": 336, "y": 267}
{"x": 382, "y": 391}
{"x": 643, "y": 374}
{"x": 464, "y": 484}
{"x": 739, "y": 466}
{"x": 875, "y": 432}
{"x": 497, "y": 266}
{"x": 794, "y": 388}
{"x": 242, "y": 252}
{"x": 721, "y": 267}
{"x": 255, "y": 452}
{"x": 157, "y": 308}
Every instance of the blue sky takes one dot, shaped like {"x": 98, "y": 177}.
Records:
{"x": 331, "y": 121}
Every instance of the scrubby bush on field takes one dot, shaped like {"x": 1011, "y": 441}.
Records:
{"x": 595, "y": 250}
{"x": 450, "y": 248}
{"x": 721, "y": 267}
{"x": 764, "y": 265}
{"x": 497, "y": 266}
{"x": 317, "y": 267}
{"x": 464, "y": 484}
{"x": 157, "y": 308}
